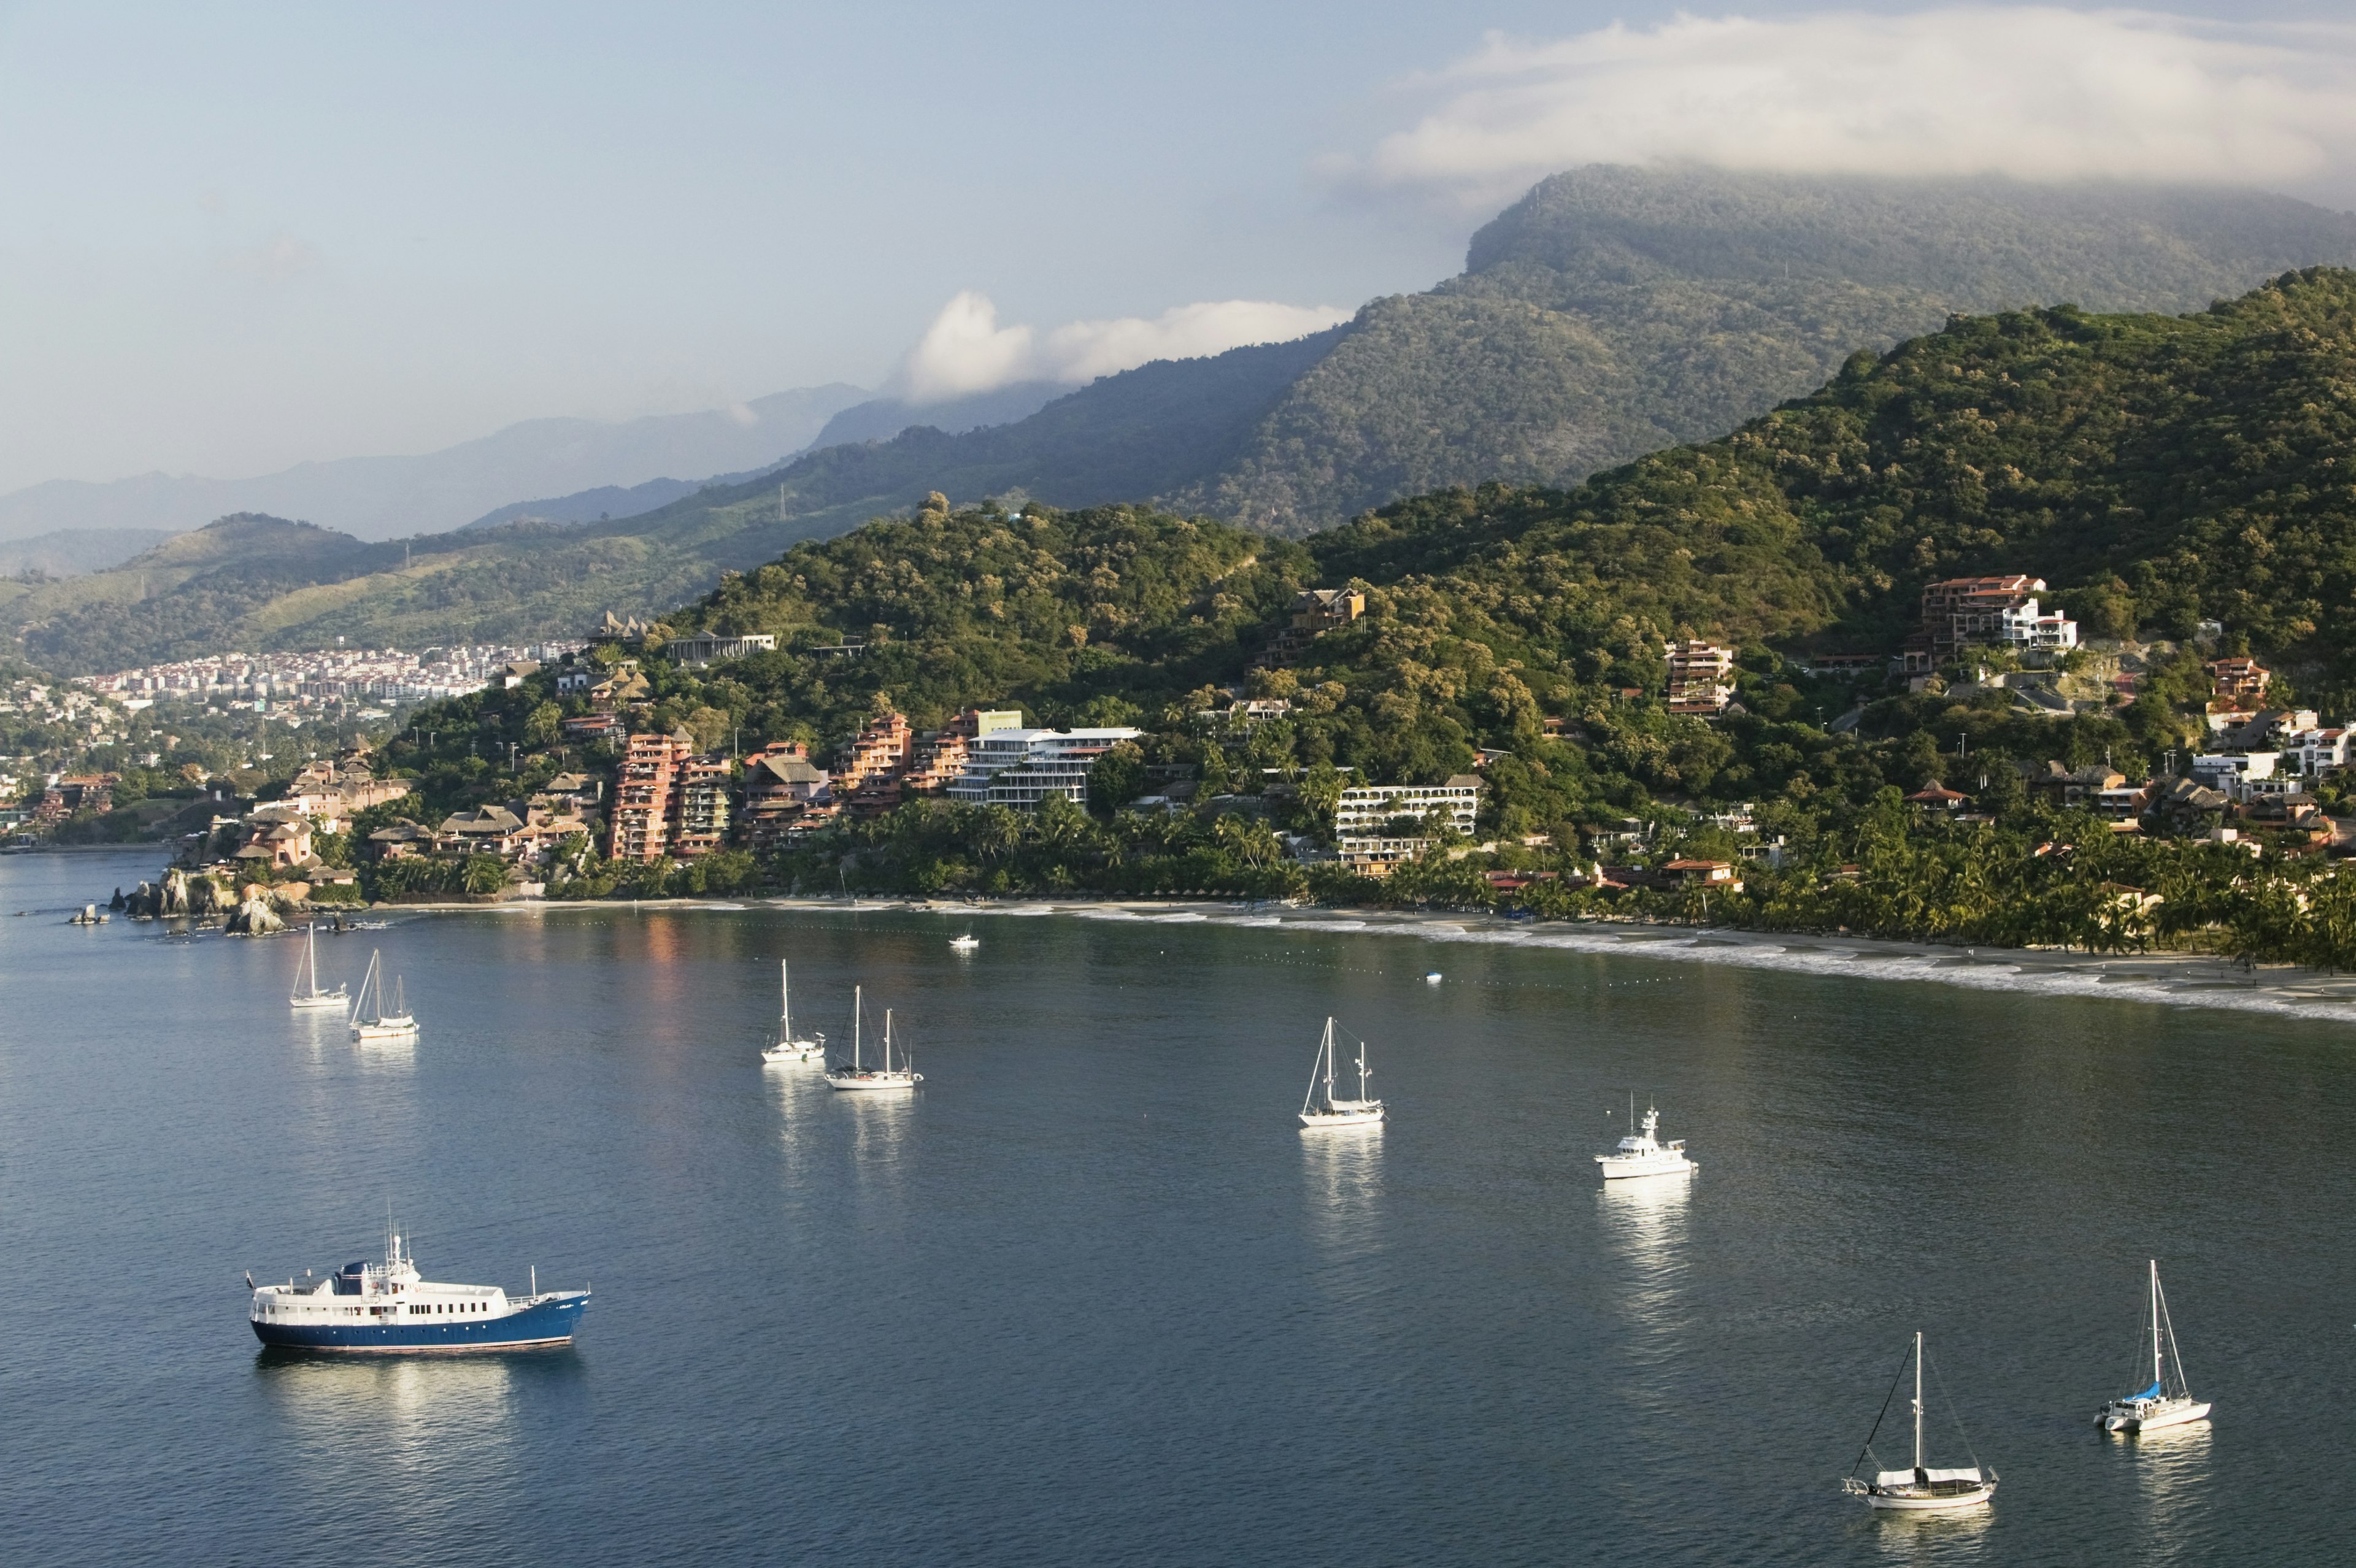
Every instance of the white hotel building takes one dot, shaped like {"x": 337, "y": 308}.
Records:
{"x": 1023, "y": 767}
{"x": 1367, "y": 810}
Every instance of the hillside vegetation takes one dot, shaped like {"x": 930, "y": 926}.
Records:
{"x": 1609, "y": 313}
{"x": 2159, "y": 470}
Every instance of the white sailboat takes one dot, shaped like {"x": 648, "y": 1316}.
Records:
{"x": 2167, "y": 1402}
{"x": 370, "y": 1020}
{"x": 1922, "y": 1489}
{"x": 1362, "y": 1112}
{"x": 856, "y": 1075}
{"x": 307, "y": 995}
{"x": 787, "y": 1047}
{"x": 1642, "y": 1153}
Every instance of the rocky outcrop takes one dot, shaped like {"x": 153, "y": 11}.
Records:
{"x": 254, "y": 917}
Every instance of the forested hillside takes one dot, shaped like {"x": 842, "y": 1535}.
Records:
{"x": 2158, "y": 470}
{"x": 1609, "y": 313}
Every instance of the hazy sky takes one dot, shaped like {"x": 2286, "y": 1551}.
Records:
{"x": 235, "y": 236}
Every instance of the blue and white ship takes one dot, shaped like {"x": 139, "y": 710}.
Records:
{"x": 389, "y": 1308}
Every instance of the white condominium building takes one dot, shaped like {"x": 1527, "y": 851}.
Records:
{"x": 1361, "y": 810}
{"x": 1023, "y": 767}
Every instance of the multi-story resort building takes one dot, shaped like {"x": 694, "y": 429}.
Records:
{"x": 1023, "y": 767}
{"x": 1700, "y": 677}
{"x": 1366, "y": 809}
{"x": 704, "y": 787}
{"x": 640, "y": 829}
{"x": 1992, "y": 612}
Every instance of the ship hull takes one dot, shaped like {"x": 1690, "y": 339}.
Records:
{"x": 551, "y": 1322}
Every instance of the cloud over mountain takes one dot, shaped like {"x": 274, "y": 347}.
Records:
{"x": 2036, "y": 93}
{"x": 966, "y": 350}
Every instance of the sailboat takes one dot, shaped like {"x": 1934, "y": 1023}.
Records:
{"x": 1361, "y": 1112}
{"x": 787, "y": 1048}
{"x": 2167, "y": 1402}
{"x": 307, "y": 995}
{"x": 1922, "y": 1489}
{"x": 370, "y": 1019}
{"x": 857, "y": 1074}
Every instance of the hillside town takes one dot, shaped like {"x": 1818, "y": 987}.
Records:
{"x": 339, "y": 677}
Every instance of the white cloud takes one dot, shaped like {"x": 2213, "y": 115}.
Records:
{"x": 280, "y": 259}
{"x": 2037, "y": 92}
{"x": 964, "y": 350}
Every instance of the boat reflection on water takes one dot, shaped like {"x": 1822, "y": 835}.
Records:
{"x": 407, "y": 1422}
{"x": 1342, "y": 1191}
{"x": 1932, "y": 1540}
{"x": 2173, "y": 1467}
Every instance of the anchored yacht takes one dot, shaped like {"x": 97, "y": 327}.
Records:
{"x": 1919, "y": 1489}
{"x": 389, "y": 1308}
{"x": 1642, "y": 1153}
{"x": 789, "y": 1047}
{"x": 2168, "y": 1400}
{"x": 1327, "y": 1110}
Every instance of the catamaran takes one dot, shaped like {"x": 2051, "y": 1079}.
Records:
{"x": 787, "y": 1047}
{"x": 1362, "y": 1112}
{"x": 307, "y": 995}
{"x": 1642, "y": 1153}
{"x": 370, "y": 1019}
{"x": 855, "y": 1074}
{"x": 1921, "y": 1489}
{"x": 2169, "y": 1402}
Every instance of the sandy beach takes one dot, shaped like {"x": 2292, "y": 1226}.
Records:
{"x": 2174, "y": 979}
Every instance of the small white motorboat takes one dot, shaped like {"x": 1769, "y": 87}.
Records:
{"x": 787, "y": 1048}
{"x": 307, "y": 996}
{"x": 965, "y": 943}
{"x": 1431, "y": 977}
{"x": 856, "y": 1075}
{"x": 1642, "y": 1153}
{"x": 1325, "y": 1110}
{"x": 2168, "y": 1400}
{"x": 1921, "y": 1489}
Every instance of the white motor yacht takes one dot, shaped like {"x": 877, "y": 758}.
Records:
{"x": 2168, "y": 1400}
{"x": 1320, "y": 1111}
{"x": 1920, "y": 1489}
{"x": 1642, "y": 1153}
{"x": 967, "y": 943}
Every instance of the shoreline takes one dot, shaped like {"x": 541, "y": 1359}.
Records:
{"x": 2172, "y": 979}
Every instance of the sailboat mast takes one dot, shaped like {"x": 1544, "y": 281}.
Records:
{"x": 1918, "y": 1399}
{"x": 888, "y": 1039}
{"x": 1362, "y": 1071}
{"x": 784, "y": 1000}
{"x": 1328, "y": 1053}
{"x": 2155, "y": 1321}
{"x": 855, "y": 991}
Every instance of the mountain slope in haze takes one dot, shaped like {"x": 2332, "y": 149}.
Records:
{"x": 71, "y": 552}
{"x": 382, "y": 497}
{"x": 1615, "y": 310}
{"x": 884, "y": 418}
{"x": 1610, "y": 313}
{"x": 2156, "y": 469}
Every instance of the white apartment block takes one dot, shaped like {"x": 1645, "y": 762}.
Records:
{"x": 1364, "y": 811}
{"x": 1021, "y": 768}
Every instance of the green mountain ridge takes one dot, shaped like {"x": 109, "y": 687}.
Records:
{"x": 1609, "y": 313}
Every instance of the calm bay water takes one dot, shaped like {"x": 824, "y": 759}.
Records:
{"x": 1090, "y": 1299}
